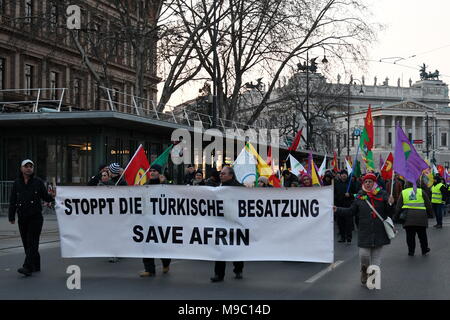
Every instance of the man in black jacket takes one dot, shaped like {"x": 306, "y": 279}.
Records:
{"x": 227, "y": 178}
{"x": 149, "y": 263}
{"x": 344, "y": 199}
{"x": 26, "y": 195}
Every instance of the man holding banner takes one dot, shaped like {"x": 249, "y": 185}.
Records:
{"x": 149, "y": 263}
{"x": 227, "y": 178}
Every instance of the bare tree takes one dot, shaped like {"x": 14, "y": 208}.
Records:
{"x": 325, "y": 101}
{"x": 263, "y": 37}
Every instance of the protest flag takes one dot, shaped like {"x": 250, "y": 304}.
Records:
{"x": 387, "y": 168}
{"x": 407, "y": 161}
{"x": 296, "y": 141}
{"x": 263, "y": 168}
{"x": 136, "y": 170}
{"x": 245, "y": 168}
{"x": 162, "y": 160}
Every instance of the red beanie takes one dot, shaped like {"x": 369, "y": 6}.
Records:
{"x": 370, "y": 176}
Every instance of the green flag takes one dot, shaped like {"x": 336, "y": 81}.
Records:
{"x": 368, "y": 159}
{"x": 163, "y": 158}
{"x": 357, "y": 172}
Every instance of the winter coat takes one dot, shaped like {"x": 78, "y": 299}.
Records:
{"x": 371, "y": 232}
{"x": 188, "y": 178}
{"x": 231, "y": 183}
{"x": 415, "y": 217}
{"x": 26, "y": 199}
{"x": 122, "y": 181}
{"x": 211, "y": 182}
{"x": 340, "y": 189}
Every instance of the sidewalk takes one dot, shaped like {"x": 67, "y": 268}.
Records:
{"x": 10, "y": 236}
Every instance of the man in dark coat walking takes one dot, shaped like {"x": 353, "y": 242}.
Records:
{"x": 26, "y": 195}
{"x": 227, "y": 178}
{"x": 344, "y": 199}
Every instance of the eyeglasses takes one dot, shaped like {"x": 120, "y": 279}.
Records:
{"x": 153, "y": 170}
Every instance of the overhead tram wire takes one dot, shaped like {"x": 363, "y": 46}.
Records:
{"x": 393, "y": 63}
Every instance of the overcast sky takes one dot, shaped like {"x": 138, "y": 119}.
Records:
{"x": 412, "y": 27}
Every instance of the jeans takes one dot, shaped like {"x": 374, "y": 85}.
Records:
{"x": 370, "y": 256}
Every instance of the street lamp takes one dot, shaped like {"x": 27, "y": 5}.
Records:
{"x": 313, "y": 68}
{"x": 216, "y": 75}
{"x": 426, "y": 135}
{"x": 361, "y": 92}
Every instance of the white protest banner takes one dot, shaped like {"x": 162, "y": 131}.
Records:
{"x": 205, "y": 223}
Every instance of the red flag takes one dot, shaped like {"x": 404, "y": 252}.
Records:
{"x": 296, "y": 141}
{"x": 386, "y": 171}
{"x": 334, "y": 163}
{"x": 441, "y": 170}
{"x": 368, "y": 126}
{"x": 137, "y": 167}
{"x": 274, "y": 181}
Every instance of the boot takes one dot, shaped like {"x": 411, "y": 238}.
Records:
{"x": 363, "y": 275}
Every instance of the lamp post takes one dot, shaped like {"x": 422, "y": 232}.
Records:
{"x": 308, "y": 68}
{"x": 361, "y": 92}
{"x": 214, "y": 108}
{"x": 426, "y": 135}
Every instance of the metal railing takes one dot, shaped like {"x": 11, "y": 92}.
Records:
{"x": 32, "y": 100}
{"x": 5, "y": 192}
{"x": 127, "y": 103}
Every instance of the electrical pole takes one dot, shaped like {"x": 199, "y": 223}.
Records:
{"x": 307, "y": 101}
{"x": 348, "y": 121}
{"x": 426, "y": 136}
{"x": 215, "y": 70}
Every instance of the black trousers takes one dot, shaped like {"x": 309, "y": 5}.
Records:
{"x": 149, "y": 264}
{"x": 345, "y": 227}
{"x": 30, "y": 231}
{"x": 219, "y": 268}
{"x": 411, "y": 238}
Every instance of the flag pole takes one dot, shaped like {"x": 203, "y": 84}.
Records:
{"x": 392, "y": 182}
{"x": 353, "y": 169}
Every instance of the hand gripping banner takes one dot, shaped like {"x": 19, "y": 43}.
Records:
{"x": 204, "y": 223}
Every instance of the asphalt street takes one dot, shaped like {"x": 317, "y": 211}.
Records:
{"x": 402, "y": 276}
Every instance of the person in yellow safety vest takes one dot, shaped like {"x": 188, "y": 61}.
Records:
{"x": 438, "y": 192}
{"x": 416, "y": 208}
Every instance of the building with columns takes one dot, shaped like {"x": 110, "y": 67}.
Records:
{"x": 423, "y": 114}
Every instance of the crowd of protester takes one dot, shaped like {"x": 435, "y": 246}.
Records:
{"x": 360, "y": 204}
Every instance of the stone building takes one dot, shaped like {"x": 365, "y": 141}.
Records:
{"x": 420, "y": 109}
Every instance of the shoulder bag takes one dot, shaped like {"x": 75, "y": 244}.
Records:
{"x": 388, "y": 224}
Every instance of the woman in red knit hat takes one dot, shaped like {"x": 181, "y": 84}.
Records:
{"x": 371, "y": 233}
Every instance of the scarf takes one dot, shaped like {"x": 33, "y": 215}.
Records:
{"x": 371, "y": 194}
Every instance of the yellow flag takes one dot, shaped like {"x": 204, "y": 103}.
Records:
{"x": 428, "y": 175}
{"x": 263, "y": 168}
{"x": 314, "y": 177}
